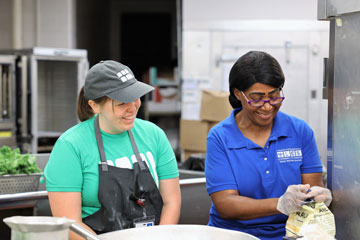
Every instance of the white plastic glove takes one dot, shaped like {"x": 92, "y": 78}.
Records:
{"x": 320, "y": 194}
{"x": 291, "y": 200}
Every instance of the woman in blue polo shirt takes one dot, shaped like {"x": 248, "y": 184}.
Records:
{"x": 261, "y": 163}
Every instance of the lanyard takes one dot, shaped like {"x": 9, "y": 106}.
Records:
{"x": 100, "y": 144}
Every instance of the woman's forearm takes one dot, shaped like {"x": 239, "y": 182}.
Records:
{"x": 171, "y": 195}
{"x": 230, "y": 205}
{"x": 170, "y": 213}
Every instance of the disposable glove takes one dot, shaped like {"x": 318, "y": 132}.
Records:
{"x": 291, "y": 200}
{"x": 320, "y": 194}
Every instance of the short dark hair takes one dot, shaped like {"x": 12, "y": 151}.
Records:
{"x": 254, "y": 67}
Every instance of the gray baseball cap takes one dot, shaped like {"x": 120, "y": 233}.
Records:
{"x": 114, "y": 80}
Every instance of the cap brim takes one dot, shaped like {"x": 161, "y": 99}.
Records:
{"x": 131, "y": 92}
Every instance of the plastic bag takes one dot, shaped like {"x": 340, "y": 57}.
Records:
{"x": 314, "y": 221}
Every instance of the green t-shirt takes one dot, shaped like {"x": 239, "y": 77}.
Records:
{"x": 73, "y": 163}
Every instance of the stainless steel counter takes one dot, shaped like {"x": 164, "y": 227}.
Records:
{"x": 195, "y": 204}
{"x": 195, "y": 200}
{"x": 21, "y": 200}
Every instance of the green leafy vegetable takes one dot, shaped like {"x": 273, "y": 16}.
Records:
{"x": 13, "y": 162}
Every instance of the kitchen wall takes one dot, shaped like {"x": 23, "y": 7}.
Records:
{"x": 216, "y": 33}
{"x": 5, "y": 24}
{"x": 29, "y": 23}
{"x": 206, "y": 10}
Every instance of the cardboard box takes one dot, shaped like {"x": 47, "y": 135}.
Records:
{"x": 193, "y": 134}
{"x": 215, "y": 105}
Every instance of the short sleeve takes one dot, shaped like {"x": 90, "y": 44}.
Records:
{"x": 63, "y": 172}
{"x": 218, "y": 172}
{"x": 166, "y": 167}
{"x": 311, "y": 157}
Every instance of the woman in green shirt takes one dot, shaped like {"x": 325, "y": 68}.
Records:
{"x": 113, "y": 171}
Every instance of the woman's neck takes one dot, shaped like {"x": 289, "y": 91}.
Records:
{"x": 256, "y": 133}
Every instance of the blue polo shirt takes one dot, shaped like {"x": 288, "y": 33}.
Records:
{"x": 235, "y": 162}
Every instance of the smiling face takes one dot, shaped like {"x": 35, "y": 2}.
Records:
{"x": 116, "y": 117}
{"x": 259, "y": 116}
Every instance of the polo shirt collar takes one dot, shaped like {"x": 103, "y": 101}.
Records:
{"x": 235, "y": 139}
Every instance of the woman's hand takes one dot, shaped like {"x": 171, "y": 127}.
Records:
{"x": 291, "y": 200}
{"x": 320, "y": 194}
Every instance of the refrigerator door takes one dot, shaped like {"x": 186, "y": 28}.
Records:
{"x": 344, "y": 127}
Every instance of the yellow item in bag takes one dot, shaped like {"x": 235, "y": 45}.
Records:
{"x": 314, "y": 221}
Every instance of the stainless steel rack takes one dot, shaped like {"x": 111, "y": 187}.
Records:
{"x": 48, "y": 81}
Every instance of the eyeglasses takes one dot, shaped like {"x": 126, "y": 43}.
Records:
{"x": 260, "y": 103}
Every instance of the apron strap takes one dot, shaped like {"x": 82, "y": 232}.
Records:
{"x": 136, "y": 151}
{"x": 100, "y": 144}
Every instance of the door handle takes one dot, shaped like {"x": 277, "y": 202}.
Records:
{"x": 325, "y": 78}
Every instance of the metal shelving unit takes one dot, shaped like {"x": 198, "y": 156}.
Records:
{"x": 164, "y": 110}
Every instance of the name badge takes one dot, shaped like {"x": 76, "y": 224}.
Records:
{"x": 147, "y": 221}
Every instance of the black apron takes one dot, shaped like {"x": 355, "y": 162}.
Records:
{"x": 128, "y": 197}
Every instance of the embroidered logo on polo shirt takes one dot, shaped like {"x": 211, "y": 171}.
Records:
{"x": 124, "y": 75}
{"x": 289, "y": 155}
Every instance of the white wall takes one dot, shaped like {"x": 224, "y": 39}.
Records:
{"x": 45, "y": 23}
{"x": 29, "y": 33}
{"x": 205, "y": 10}
{"x": 56, "y": 23}
{"x": 5, "y": 24}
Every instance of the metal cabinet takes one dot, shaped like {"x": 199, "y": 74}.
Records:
{"x": 48, "y": 82}
{"x": 7, "y": 101}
